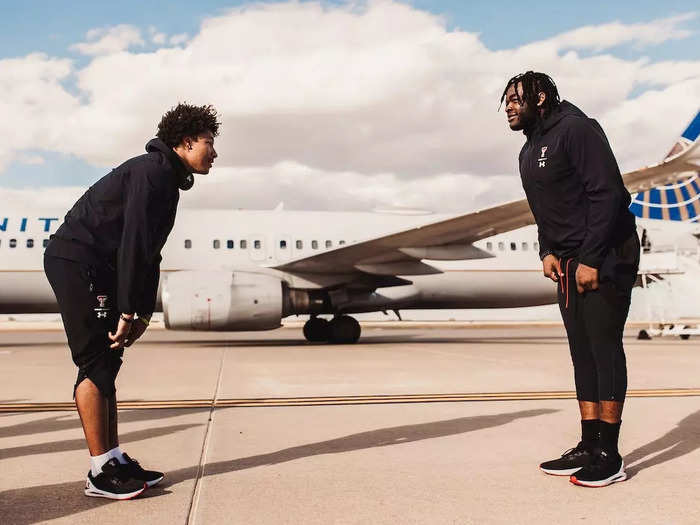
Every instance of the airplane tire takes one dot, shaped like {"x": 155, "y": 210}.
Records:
{"x": 643, "y": 335}
{"x": 316, "y": 330}
{"x": 344, "y": 330}
{"x": 685, "y": 337}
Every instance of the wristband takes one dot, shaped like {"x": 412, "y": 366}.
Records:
{"x": 126, "y": 319}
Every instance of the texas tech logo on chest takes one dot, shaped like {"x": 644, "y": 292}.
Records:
{"x": 102, "y": 310}
{"x": 542, "y": 161}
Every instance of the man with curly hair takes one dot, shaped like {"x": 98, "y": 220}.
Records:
{"x": 103, "y": 264}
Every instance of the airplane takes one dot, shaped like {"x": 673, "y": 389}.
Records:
{"x": 240, "y": 270}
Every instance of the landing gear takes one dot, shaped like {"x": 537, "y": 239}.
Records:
{"x": 344, "y": 330}
{"x": 316, "y": 330}
{"x": 340, "y": 330}
{"x": 643, "y": 335}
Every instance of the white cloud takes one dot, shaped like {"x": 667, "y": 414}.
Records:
{"x": 178, "y": 39}
{"x": 156, "y": 36}
{"x": 58, "y": 199}
{"x": 108, "y": 40}
{"x": 377, "y": 104}
{"x": 301, "y": 187}
{"x": 606, "y": 36}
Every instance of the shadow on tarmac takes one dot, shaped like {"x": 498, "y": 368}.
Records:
{"x": 47, "y": 502}
{"x": 79, "y": 444}
{"x": 70, "y": 420}
{"x": 682, "y": 440}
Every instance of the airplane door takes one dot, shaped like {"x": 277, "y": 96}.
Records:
{"x": 283, "y": 248}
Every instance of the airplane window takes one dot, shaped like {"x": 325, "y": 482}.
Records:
{"x": 329, "y": 244}
{"x": 513, "y": 246}
{"x": 243, "y": 244}
{"x": 314, "y": 245}
{"x": 283, "y": 245}
{"x": 524, "y": 246}
{"x": 536, "y": 246}
{"x": 300, "y": 245}
{"x": 188, "y": 244}
{"x": 489, "y": 246}
{"x": 229, "y": 244}
{"x": 341, "y": 243}
{"x": 256, "y": 244}
{"x": 501, "y": 246}
{"x": 46, "y": 243}
{"x": 30, "y": 243}
{"x": 13, "y": 243}
{"x": 217, "y": 244}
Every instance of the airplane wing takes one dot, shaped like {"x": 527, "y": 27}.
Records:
{"x": 401, "y": 253}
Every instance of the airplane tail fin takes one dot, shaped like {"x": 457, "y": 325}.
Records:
{"x": 675, "y": 202}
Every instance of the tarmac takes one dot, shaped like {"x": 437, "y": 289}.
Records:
{"x": 441, "y": 424}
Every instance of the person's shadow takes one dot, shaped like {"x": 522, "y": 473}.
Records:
{"x": 46, "y": 502}
{"x": 677, "y": 442}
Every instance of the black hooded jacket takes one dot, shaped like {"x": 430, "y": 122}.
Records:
{"x": 123, "y": 221}
{"x": 574, "y": 187}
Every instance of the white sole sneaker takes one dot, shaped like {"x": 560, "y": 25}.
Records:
{"x": 154, "y": 482}
{"x": 92, "y": 491}
{"x": 566, "y": 472}
{"x": 620, "y": 475}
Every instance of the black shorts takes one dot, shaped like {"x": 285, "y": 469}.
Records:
{"x": 86, "y": 297}
{"x": 595, "y": 322}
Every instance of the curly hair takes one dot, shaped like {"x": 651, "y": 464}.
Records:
{"x": 186, "y": 120}
{"x": 533, "y": 83}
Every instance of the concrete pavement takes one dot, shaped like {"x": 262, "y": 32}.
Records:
{"x": 428, "y": 463}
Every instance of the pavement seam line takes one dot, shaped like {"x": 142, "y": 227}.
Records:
{"x": 194, "y": 501}
{"x": 340, "y": 400}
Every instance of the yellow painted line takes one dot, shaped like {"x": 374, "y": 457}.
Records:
{"x": 343, "y": 400}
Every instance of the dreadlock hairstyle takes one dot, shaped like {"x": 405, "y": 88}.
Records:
{"x": 186, "y": 120}
{"x": 533, "y": 84}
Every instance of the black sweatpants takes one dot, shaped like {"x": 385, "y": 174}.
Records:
{"x": 595, "y": 321}
{"x": 86, "y": 297}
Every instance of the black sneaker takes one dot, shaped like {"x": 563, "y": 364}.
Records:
{"x": 113, "y": 482}
{"x": 570, "y": 461}
{"x": 604, "y": 469}
{"x": 151, "y": 477}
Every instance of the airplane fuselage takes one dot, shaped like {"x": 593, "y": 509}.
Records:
{"x": 240, "y": 240}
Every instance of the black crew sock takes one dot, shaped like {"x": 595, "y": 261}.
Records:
{"x": 609, "y": 435}
{"x": 590, "y": 432}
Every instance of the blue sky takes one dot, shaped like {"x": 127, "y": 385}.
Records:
{"x": 39, "y": 159}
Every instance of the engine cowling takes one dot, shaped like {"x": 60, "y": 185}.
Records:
{"x": 222, "y": 301}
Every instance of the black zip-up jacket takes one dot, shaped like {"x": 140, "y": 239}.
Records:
{"x": 574, "y": 187}
{"x": 123, "y": 221}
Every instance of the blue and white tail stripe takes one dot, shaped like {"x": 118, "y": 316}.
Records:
{"x": 675, "y": 202}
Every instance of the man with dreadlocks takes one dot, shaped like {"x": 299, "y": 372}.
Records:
{"x": 103, "y": 264}
{"x": 589, "y": 247}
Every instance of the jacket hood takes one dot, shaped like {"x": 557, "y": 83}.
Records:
{"x": 185, "y": 178}
{"x": 564, "y": 109}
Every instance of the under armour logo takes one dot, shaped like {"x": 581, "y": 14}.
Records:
{"x": 102, "y": 315}
{"x": 542, "y": 161}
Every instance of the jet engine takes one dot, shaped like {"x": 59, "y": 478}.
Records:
{"x": 222, "y": 301}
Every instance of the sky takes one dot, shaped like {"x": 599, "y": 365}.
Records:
{"x": 331, "y": 105}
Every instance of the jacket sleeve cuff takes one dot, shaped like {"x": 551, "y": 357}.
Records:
{"x": 592, "y": 261}
{"x": 545, "y": 253}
